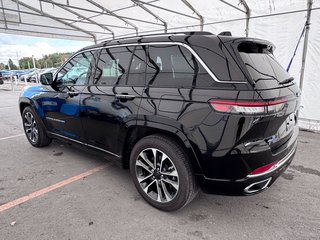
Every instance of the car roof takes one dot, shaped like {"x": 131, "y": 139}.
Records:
{"x": 163, "y": 37}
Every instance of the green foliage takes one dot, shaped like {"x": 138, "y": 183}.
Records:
{"x": 23, "y": 62}
{"x": 47, "y": 61}
{"x": 2, "y": 66}
{"x": 12, "y": 65}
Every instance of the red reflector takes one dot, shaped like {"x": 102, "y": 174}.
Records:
{"x": 263, "y": 168}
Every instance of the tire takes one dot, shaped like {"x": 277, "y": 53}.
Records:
{"x": 34, "y": 128}
{"x": 172, "y": 176}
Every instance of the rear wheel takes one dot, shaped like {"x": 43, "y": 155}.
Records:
{"x": 34, "y": 128}
{"x": 162, "y": 173}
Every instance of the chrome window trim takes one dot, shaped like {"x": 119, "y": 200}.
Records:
{"x": 212, "y": 75}
{"x": 85, "y": 144}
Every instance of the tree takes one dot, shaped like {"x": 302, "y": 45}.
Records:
{"x": 23, "y": 62}
{"x": 2, "y": 66}
{"x": 12, "y": 65}
{"x": 47, "y": 61}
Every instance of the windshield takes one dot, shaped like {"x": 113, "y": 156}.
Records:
{"x": 260, "y": 62}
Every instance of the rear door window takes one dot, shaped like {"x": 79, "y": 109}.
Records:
{"x": 175, "y": 66}
{"x": 137, "y": 67}
{"x": 112, "y": 66}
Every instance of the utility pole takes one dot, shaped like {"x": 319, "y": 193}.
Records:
{"x": 34, "y": 64}
{"x": 18, "y": 59}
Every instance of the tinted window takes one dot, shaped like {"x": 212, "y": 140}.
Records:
{"x": 77, "y": 70}
{"x": 112, "y": 66}
{"x": 175, "y": 66}
{"x": 138, "y": 67}
{"x": 261, "y": 63}
{"x": 218, "y": 58}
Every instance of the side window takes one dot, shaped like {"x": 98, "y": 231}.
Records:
{"x": 138, "y": 67}
{"x": 112, "y": 66}
{"x": 77, "y": 71}
{"x": 175, "y": 66}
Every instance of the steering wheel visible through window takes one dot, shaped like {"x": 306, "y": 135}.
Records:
{"x": 76, "y": 71}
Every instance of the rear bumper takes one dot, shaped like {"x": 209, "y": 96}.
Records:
{"x": 249, "y": 185}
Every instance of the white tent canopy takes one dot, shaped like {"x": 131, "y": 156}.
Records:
{"x": 280, "y": 22}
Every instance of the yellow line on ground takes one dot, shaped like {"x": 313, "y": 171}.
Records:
{"x": 14, "y": 136}
{"x": 43, "y": 191}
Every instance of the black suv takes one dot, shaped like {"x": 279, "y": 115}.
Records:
{"x": 180, "y": 110}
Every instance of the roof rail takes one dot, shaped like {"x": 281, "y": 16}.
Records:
{"x": 162, "y": 34}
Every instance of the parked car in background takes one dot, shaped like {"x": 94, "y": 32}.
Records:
{"x": 181, "y": 110}
{"x": 6, "y": 74}
{"x": 48, "y": 70}
{"x": 30, "y": 75}
{"x": 18, "y": 73}
{"x": 1, "y": 78}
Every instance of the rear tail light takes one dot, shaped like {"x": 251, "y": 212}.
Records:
{"x": 264, "y": 169}
{"x": 249, "y": 108}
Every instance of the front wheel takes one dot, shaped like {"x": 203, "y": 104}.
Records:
{"x": 34, "y": 128}
{"x": 162, "y": 173}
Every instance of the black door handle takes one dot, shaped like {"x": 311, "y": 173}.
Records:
{"x": 72, "y": 94}
{"x": 124, "y": 96}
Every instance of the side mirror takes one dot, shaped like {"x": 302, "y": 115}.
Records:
{"x": 46, "y": 78}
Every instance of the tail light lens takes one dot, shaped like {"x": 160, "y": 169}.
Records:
{"x": 264, "y": 169}
{"x": 249, "y": 108}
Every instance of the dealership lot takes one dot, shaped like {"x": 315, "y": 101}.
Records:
{"x": 104, "y": 204}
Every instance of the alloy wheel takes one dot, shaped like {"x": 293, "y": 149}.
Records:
{"x": 31, "y": 127}
{"x": 157, "y": 175}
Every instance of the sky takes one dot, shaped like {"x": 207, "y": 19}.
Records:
{"x": 26, "y": 46}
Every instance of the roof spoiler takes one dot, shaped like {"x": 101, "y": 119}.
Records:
{"x": 226, "y": 33}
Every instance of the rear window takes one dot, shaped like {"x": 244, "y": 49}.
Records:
{"x": 260, "y": 62}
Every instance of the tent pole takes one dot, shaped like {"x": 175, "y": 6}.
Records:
{"x": 97, "y": 12}
{"x": 56, "y": 19}
{"x": 165, "y": 25}
{"x": 229, "y": 4}
{"x": 114, "y": 15}
{"x": 305, "y": 43}
{"x": 4, "y": 15}
{"x": 85, "y": 18}
{"x": 248, "y": 14}
{"x": 196, "y": 12}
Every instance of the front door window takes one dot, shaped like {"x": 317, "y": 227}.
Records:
{"x": 77, "y": 71}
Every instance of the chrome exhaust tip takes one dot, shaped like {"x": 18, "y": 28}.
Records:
{"x": 257, "y": 186}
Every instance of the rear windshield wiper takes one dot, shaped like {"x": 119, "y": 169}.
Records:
{"x": 288, "y": 80}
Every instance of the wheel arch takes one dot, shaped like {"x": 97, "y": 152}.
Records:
{"x": 26, "y": 102}
{"x": 23, "y": 103}
{"x": 137, "y": 132}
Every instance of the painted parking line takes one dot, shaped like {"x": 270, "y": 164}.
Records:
{"x": 43, "y": 191}
{"x": 14, "y": 136}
